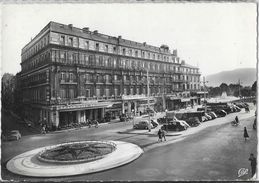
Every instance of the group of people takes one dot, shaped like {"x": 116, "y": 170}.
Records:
{"x": 161, "y": 135}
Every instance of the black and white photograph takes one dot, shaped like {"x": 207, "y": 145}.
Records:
{"x": 152, "y": 90}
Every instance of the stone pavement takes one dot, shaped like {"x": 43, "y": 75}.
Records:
{"x": 27, "y": 163}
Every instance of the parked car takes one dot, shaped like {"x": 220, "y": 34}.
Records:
{"x": 143, "y": 125}
{"x": 212, "y": 114}
{"x": 13, "y": 135}
{"x": 204, "y": 118}
{"x": 161, "y": 120}
{"x": 174, "y": 126}
{"x": 193, "y": 121}
{"x": 154, "y": 123}
{"x": 208, "y": 116}
{"x": 221, "y": 113}
{"x": 236, "y": 108}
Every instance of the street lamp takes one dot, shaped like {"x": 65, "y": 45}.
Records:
{"x": 204, "y": 87}
{"x": 148, "y": 93}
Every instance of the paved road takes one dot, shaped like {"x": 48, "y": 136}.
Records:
{"x": 216, "y": 152}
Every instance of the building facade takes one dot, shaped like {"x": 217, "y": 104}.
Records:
{"x": 70, "y": 75}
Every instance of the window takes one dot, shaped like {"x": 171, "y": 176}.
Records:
{"x": 86, "y": 44}
{"x": 71, "y": 93}
{"x": 62, "y": 41}
{"x": 130, "y": 52}
{"x": 107, "y": 92}
{"x": 131, "y": 91}
{"x": 158, "y": 57}
{"x": 148, "y": 55}
{"x": 115, "y": 92}
{"x": 154, "y": 56}
{"x": 106, "y": 48}
{"x": 71, "y": 76}
{"x": 62, "y": 56}
{"x": 114, "y": 49}
{"x": 70, "y": 41}
{"x": 123, "y": 51}
{"x": 97, "y": 46}
{"x": 143, "y": 54}
{"x": 62, "y": 93}
{"x": 87, "y": 93}
{"x": 136, "y": 53}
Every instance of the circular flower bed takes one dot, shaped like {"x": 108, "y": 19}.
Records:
{"x": 76, "y": 152}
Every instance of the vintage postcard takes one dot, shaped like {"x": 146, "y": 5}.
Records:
{"x": 129, "y": 91}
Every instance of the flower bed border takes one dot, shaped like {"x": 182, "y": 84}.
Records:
{"x": 75, "y": 161}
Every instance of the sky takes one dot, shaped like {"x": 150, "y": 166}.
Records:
{"x": 213, "y": 36}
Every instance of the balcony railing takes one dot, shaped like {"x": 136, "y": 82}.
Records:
{"x": 82, "y": 99}
{"x": 127, "y": 82}
{"x": 116, "y": 82}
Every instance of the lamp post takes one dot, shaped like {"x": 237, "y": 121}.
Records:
{"x": 148, "y": 93}
{"x": 204, "y": 87}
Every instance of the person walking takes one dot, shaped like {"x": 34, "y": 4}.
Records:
{"x": 159, "y": 133}
{"x": 253, "y": 163}
{"x": 163, "y": 134}
{"x": 245, "y": 133}
{"x": 237, "y": 120}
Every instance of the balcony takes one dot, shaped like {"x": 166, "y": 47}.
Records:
{"x": 108, "y": 82}
{"x": 116, "y": 82}
{"x": 63, "y": 81}
{"x": 126, "y": 82}
{"x": 88, "y": 82}
{"x": 82, "y": 99}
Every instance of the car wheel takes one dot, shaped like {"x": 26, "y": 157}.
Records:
{"x": 146, "y": 127}
{"x": 177, "y": 129}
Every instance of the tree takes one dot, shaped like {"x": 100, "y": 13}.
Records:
{"x": 254, "y": 86}
{"x": 7, "y": 92}
{"x": 224, "y": 88}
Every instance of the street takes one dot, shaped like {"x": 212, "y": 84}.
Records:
{"x": 214, "y": 153}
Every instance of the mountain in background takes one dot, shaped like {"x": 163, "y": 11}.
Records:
{"x": 247, "y": 77}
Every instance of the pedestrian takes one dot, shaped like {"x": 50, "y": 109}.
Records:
{"x": 237, "y": 120}
{"x": 159, "y": 135}
{"x": 163, "y": 134}
{"x": 245, "y": 133}
{"x": 253, "y": 163}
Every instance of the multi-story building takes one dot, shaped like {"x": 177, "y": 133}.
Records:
{"x": 70, "y": 75}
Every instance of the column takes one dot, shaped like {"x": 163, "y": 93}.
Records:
{"x": 51, "y": 122}
{"x": 129, "y": 107}
{"x": 91, "y": 114}
{"x": 84, "y": 116}
{"x": 57, "y": 119}
{"x": 135, "y": 108}
{"x": 102, "y": 113}
{"x": 96, "y": 114}
{"x": 78, "y": 116}
{"x": 123, "y": 107}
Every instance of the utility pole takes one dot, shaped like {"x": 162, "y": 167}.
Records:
{"x": 148, "y": 93}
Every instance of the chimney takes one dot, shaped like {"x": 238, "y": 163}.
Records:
{"x": 144, "y": 43}
{"x": 175, "y": 52}
{"x": 95, "y": 32}
{"x": 183, "y": 62}
{"x": 70, "y": 26}
{"x": 119, "y": 37}
{"x": 86, "y": 29}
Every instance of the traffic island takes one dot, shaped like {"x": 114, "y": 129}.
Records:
{"x": 74, "y": 158}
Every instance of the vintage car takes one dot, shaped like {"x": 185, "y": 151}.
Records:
{"x": 12, "y": 135}
{"x": 142, "y": 125}
{"x": 174, "y": 126}
{"x": 193, "y": 121}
